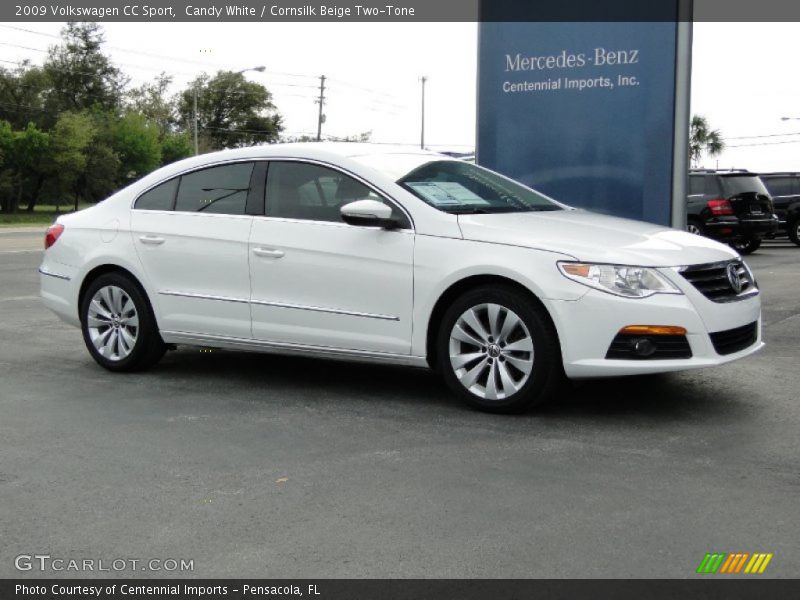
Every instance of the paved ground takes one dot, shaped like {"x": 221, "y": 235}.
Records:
{"x": 259, "y": 466}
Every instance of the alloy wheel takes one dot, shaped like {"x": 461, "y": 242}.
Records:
{"x": 692, "y": 228}
{"x": 491, "y": 351}
{"x": 112, "y": 322}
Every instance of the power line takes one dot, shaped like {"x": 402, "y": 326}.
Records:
{"x": 769, "y": 135}
{"x": 764, "y": 144}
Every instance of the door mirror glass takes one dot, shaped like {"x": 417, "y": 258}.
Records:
{"x": 368, "y": 213}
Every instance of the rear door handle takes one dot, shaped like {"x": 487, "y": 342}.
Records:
{"x": 152, "y": 240}
{"x": 268, "y": 252}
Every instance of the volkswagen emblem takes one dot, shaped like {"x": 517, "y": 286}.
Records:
{"x": 733, "y": 277}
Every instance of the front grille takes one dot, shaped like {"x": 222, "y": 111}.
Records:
{"x": 712, "y": 280}
{"x": 733, "y": 340}
{"x": 624, "y": 347}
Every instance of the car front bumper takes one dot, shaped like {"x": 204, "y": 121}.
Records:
{"x": 587, "y": 327}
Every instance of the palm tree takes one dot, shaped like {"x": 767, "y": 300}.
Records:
{"x": 703, "y": 139}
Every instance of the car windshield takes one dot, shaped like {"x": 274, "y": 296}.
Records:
{"x": 462, "y": 188}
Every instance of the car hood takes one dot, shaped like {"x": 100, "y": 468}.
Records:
{"x": 593, "y": 237}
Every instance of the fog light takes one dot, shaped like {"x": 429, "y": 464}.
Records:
{"x": 643, "y": 347}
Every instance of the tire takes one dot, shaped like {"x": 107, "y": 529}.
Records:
{"x": 500, "y": 380}
{"x": 130, "y": 341}
{"x": 746, "y": 246}
{"x": 694, "y": 226}
{"x": 793, "y": 228}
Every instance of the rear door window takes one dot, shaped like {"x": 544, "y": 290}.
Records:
{"x": 217, "y": 190}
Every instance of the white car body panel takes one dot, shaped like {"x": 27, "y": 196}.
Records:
{"x": 192, "y": 261}
{"x": 332, "y": 285}
{"x": 365, "y": 293}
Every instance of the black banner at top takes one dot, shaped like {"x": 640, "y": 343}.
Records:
{"x": 401, "y": 11}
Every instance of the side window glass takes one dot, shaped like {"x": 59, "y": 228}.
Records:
{"x": 311, "y": 192}
{"x": 158, "y": 198}
{"x": 216, "y": 190}
{"x": 696, "y": 185}
{"x": 713, "y": 186}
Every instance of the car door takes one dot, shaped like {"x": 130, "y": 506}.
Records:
{"x": 319, "y": 282}
{"x": 191, "y": 234}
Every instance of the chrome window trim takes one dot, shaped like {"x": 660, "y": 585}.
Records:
{"x": 322, "y": 309}
{"x": 322, "y": 163}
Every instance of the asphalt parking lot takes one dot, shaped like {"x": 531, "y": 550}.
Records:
{"x": 260, "y": 466}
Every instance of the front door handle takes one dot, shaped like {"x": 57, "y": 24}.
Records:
{"x": 268, "y": 252}
{"x": 153, "y": 240}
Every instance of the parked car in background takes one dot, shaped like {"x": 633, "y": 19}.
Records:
{"x": 785, "y": 191}
{"x": 391, "y": 255}
{"x": 730, "y": 206}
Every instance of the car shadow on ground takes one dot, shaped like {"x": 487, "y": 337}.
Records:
{"x": 651, "y": 397}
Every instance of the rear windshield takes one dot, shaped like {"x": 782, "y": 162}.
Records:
{"x": 458, "y": 187}
{"x": 741, "y": 184}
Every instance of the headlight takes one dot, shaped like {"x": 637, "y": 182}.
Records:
{"x": 620, "y": 280}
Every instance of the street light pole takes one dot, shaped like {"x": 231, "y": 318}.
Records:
{"x": 194, "y": 119}
{"x": 321, "y": 101}
{"x": 422, "y": 124}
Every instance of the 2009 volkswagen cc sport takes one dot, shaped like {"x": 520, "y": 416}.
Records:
{"x": 386, "y": 254}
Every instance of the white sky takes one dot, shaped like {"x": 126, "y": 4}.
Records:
{"x": 744, "y": 76}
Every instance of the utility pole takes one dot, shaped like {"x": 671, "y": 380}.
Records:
{"x": 321, "y": 118}
{"x": 194, "y": 119}
{"x": 422, "y": 129}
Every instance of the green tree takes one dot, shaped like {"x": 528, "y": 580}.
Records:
{"x": 6, "y": 174}
{"x": 24, "y": 155}
{"x": 152, "y": 100}
{"x": 82, "y": 76}
{"x": 703, "y": 139}
{"x": 136, "y": 142}
{"x": 231, "y": 112}
{"x": 72, "y": 135}
{"x": 175, "y": 146}
{"x": 23, "y": 92}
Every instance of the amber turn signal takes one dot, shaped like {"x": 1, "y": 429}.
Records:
{"x": 653, "y": 330}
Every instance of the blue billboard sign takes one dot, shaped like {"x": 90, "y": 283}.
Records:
{"x": 585, "y": 112}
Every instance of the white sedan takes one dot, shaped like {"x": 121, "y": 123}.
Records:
{"x": 376, "y": 253}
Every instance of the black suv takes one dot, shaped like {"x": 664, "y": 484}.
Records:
{"x": 730, "y": 206}
{"x": 785, "y": 191}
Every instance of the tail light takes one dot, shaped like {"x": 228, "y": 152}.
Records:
{"x": 720, "y": 207}
{"x": 53, "y": 233}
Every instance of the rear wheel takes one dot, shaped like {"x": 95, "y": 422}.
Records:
{"x": 118, "y": 326}
{"x": 746, "y": 246}
{"x": 694, "y": 226}
{"x": 498, "y": 351}
{"x": 794, "y": 230}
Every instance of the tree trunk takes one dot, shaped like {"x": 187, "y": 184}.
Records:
{"x": 36, "y": 191}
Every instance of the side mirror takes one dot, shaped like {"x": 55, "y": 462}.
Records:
{"x": 368, "y": 213}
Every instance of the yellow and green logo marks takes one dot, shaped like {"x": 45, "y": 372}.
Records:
{"x": 734, "y": 563}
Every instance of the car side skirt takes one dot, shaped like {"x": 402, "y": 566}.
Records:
{"x": 249, "y": 345}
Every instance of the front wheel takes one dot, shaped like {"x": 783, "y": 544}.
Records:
{"x": 118, "y": 326}
{"x": 794, "y": 230}
{"x": 499, "y": 351}
{"x": 746, "y": 246}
